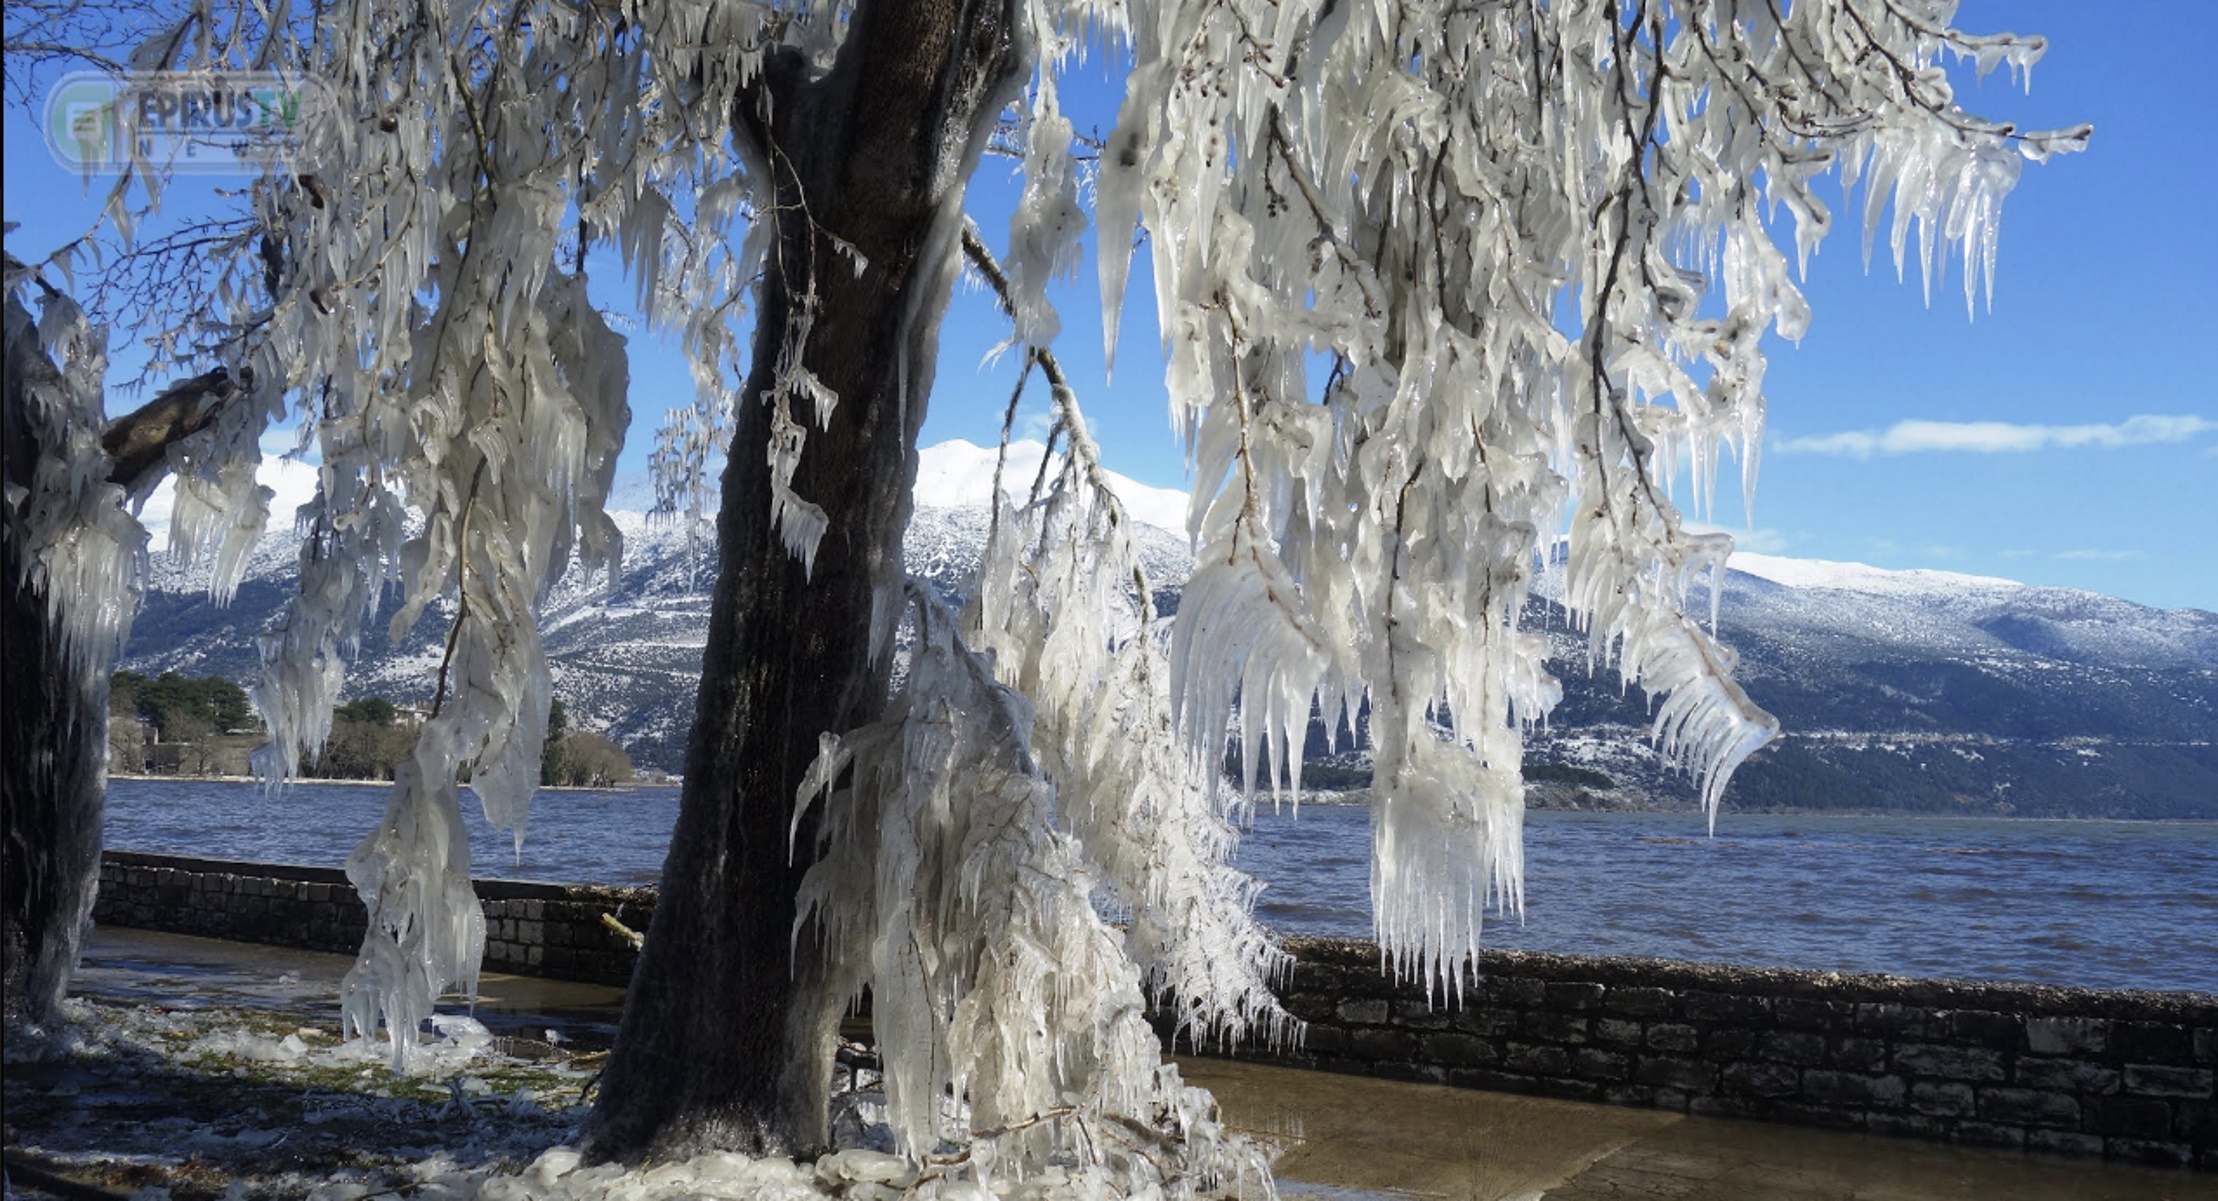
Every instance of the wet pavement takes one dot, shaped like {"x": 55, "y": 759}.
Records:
{"x": 183, "y": 972}
{"x": 1356, "y": 1139}
{"x": 1345, "y": 1138}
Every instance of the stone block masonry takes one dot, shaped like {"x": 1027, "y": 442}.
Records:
{"x": 531, "y": 929}
{"x": 2121, "y": 1075}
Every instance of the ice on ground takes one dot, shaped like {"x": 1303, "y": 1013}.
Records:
{"x": 457, "y": 1041}
{"x": 284, "y": 1110}
{"x": 249, "y": 1047}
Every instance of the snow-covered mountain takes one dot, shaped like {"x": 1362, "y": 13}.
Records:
{"x": 959, "y": 475}
{"x": 626, "y": 654}
{"x": 1940, "y": 692}
{"x": 1899, "y": 689}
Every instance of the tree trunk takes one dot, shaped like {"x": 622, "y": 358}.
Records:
{"x": 728, "y": 1032}
{"x": 53, "y": 754}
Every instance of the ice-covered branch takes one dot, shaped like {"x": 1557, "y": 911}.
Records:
{"x": 1064, "y": 606}
{"x": 953, "y": 865}
{"x": 139, "y": 440}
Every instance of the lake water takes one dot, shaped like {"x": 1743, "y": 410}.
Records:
{"x": 2088, "y": 903}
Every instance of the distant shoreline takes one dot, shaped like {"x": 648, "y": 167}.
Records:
{"x": 629, "y": 786}
{"x": 1347, "y": 799}
{"x": 1356, "y": 798}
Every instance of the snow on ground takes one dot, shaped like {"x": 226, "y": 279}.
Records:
{"x": 191, "y": 1101}
{"x": 187, "y": 1101}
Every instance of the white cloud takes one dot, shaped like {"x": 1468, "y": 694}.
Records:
{"x": 1992, "y": 437}
{"x": 2106, "y": 556}
{"x": 293, "y": 481}
{"x": 1034, "y": 426}
{"x": 1764, "y": 541}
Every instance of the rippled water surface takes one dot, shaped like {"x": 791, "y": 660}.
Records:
{"x": 575, "y": 835}
{"x": 2096, "y": 904}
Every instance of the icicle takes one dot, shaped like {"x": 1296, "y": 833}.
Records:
{"x": 1419, "y": 219}
{"x": 1044, "y": 230}
{"x": 1447, "y": 838}
{"x": 995, "y": 981}
{"x": 78, "y": 543}
{"x": 426, "y": 932}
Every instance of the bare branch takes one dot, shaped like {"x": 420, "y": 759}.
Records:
{"x": 139, "y": 441}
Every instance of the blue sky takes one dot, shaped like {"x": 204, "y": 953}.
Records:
{"x": 2068, "y": 436}
{"x": 2103, "y": 312}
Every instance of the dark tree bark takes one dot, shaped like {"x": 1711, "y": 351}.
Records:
{"x": 728, "y": 1031}
{"x": 53, "y": 740}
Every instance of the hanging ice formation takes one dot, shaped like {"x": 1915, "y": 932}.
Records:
{"x": 1530, "y": 242}
{"x": 79, "y": 546}
{"x": 958, "y": 877}
{"x": 467, "y": 404}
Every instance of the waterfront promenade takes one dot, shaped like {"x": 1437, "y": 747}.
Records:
{"x": 2127, "y": 1076}
{"x": 1344, "y": 1138}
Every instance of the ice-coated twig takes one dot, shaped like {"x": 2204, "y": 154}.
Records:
{"x": 620, "y": 930}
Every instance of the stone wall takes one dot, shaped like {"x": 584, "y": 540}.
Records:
{"x": 2125, "y": 1075}
{"x": 530, "y": 928}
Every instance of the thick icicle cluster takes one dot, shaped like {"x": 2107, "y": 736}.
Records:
{"x": 79, "y": 546}
{"x": 976, "y": 839}
{"x": 1063, "y": 608}
{"x": 1530, "y": 242}
{"x": 73, "y": 550}
{"x": 1010, "y": 1020}
{"x": 466, "y": 400}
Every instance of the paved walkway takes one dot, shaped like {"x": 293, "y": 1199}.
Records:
{"x": 1346, "y": 1138}
{"x": 1355, "y": 1139}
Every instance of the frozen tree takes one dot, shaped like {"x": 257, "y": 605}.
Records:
{"x": 74, "y": 479}
{"x": 1532, "y": 250}
{"x": 67, "y": 590}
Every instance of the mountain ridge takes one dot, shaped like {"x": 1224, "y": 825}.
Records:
{"x": 1899, "y": 691}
